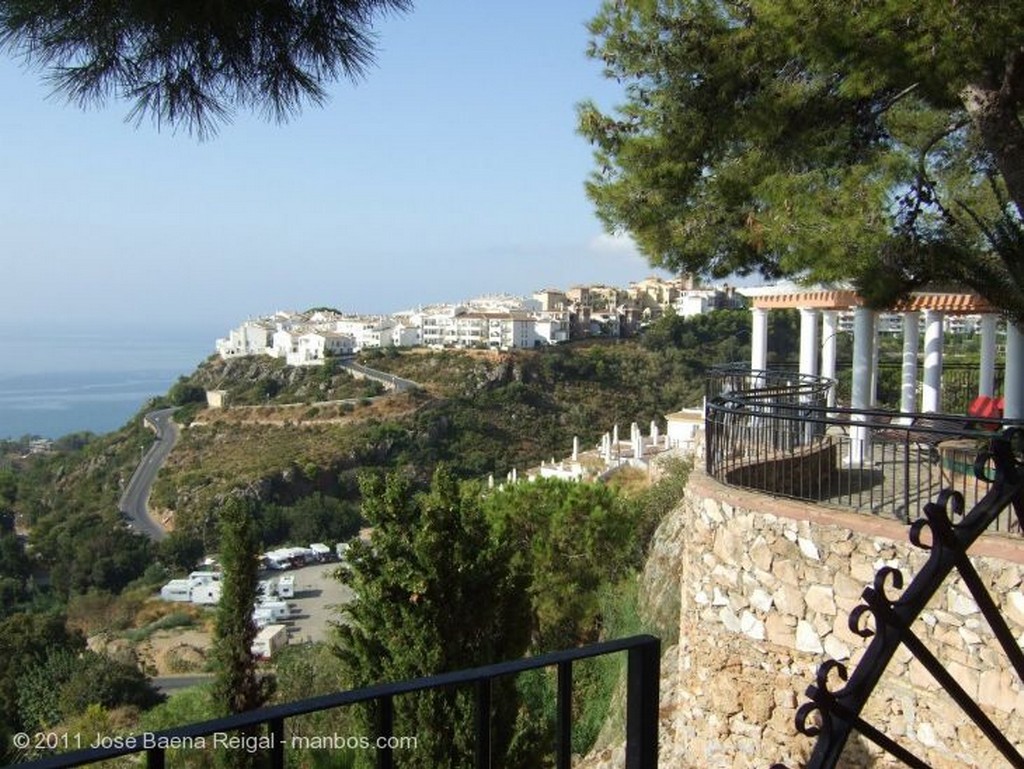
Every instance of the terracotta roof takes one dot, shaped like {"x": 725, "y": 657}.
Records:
{"x": 845, "y": 299}
{"x": 954, "y": 304}
{"x": 824, "y": 299}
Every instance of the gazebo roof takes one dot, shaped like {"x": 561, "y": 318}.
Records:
{"x": 793, "y": 296}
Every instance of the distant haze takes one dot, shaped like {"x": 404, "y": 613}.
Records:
{"x": 453, "y": 170}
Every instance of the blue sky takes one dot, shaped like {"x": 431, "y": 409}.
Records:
{"x": 452, "y": 170}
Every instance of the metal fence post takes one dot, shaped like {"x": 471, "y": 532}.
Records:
{"x": 642, "y": 699}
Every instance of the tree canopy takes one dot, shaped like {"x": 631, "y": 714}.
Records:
{"x": 191, "y": 64}
{"x": 828, "y": 140}
{"x": 436, "y": 592}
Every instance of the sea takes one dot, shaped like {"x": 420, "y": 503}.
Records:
{"x": 56, "y": 380}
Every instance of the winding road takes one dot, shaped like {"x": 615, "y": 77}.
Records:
{"x": 134, "y": 501}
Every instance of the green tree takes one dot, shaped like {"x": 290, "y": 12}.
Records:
{"x": 237, "y": 687}
{"x": 8, "y": 489}
{"x": 435, "y": 593}
{"x": 184, "y": 392}
{"x": 24, "y": 640}
{"x": 878, "y": 142}
{"x": 181, "y": 549}
{"x": 569, "y": 539}
{"x": 65, "y": 682}
{"x": 192, "y": 64}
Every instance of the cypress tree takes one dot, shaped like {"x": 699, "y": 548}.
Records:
{"x": 237, "y": 687}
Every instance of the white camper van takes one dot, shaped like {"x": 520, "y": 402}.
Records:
{"x": 206, "y": 595}
{"x": 286, "y": 586}
{"x": 176, "y": 590}
{"x": 278, "y": 609}
{"x": 269, "y": 640}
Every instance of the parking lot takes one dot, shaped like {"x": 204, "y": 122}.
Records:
{"x": 317, "y": 598}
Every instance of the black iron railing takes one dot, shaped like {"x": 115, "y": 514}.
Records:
{"x": 642, "y": 681}
{"x": 773, "y": 432}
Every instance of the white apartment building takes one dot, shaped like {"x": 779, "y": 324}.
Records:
{"x": 552, "y": 327}
{"x": 372, "y": 332}
{"x": 892, "y": 323}
{"x": 311, "y": 348}
{"x": 251, "y": 338}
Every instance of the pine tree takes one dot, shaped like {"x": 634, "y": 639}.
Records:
{"x": 191, "y": 64}
{"x": 878, "y": 142}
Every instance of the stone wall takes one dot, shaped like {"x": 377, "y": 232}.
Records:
{"x": 766, "y": 589}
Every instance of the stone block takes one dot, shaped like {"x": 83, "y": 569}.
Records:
{"x": 789, "y": 600}
{"x": 821, "y": 599}
{"x": 846, "y": 586}
{"x": 807, "y": 639}
{"x": 727, "y": 575}
{"x": 835, "y": 648}
{"x": 758, "y": 706}
{"x": 728, "y": 546}
{"x": 862, "y": 570}
{"x": 960, "y": 604}
{"x": 920, "y": 678}
{"x": 1007, "y": 579}
{"x": 712, "y": 510}
{"x": 808, "y": 549}
{"x": 994, "y": 690}
{"x": 724, "y": 693}
{"x": 761, "y": 555}
{"x": 778, "y": 631}
{"x": 969, "y": 636}
{"x": 761, "y": 601}
{"x": 729, "y": 619}
{"x": 926, "y": 735}
{"x": 966, "y": 677}
{"x": 1015, "y": 607}
{"x": 751, "y": 626}
{"x": 785, "y": 571}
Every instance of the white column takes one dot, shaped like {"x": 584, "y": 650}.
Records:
{"x": 575, "y": 448}
{"x": 1013, "y": 386}
{"x": 829, "y": 329}
{"x": 911, "y": 344}
{"x": 860, "y": 389}
{"x": 809, "y": 341}
{"x": 759, "y": 339}
{"x": 875, "y": 352}
{"x": 987, "y": 370}
{"x": 931, "y": 385}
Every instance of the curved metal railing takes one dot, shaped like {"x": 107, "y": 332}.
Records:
{"x": 773, "y": 431}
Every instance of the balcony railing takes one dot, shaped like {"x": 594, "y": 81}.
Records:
{"x": 643, "y": 654}
{"x": 772, "y": 431}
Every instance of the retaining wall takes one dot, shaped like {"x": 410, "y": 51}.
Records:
{"x": 766, "y": 589}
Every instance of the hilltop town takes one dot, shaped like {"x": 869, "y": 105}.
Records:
{"x": 503, "y": 322}
{"x": 550, "y": 316}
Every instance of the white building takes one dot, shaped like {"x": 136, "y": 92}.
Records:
{"x": 368, "y": 333}
{"x": 251, "y": 338}
{"x": 313, "y": 347}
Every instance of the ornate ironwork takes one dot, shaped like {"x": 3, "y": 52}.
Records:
{"x": 833, "y": 713}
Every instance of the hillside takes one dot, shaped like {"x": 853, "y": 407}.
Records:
{"x": 295, "y": 440}
{"x": 482, "y": 413}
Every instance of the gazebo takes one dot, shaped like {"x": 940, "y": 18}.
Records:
{"x": 819, "y": 309}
